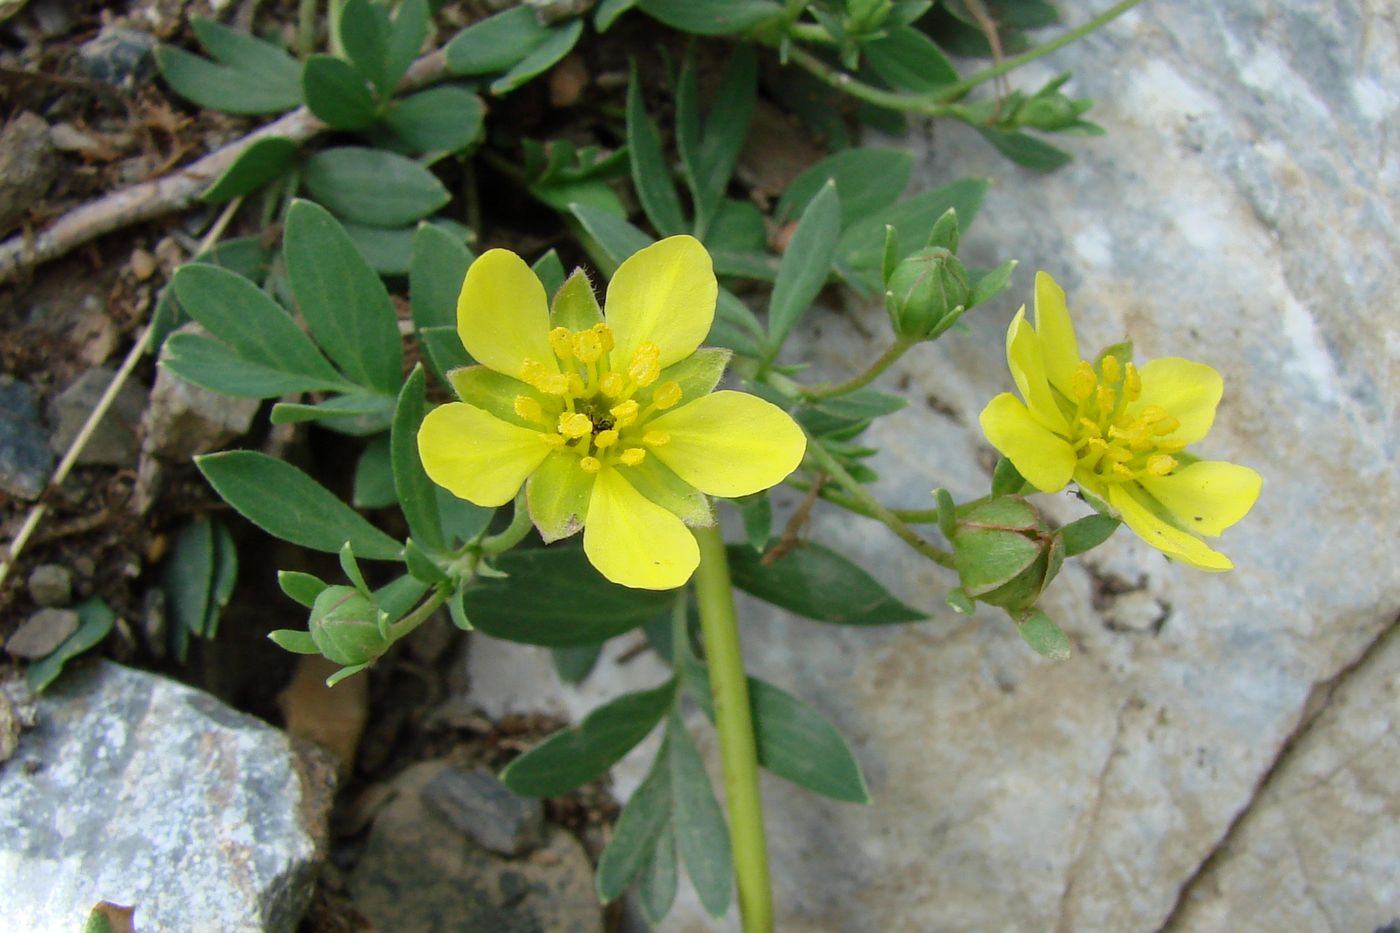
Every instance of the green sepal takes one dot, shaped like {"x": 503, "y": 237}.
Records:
{"x": 351, "y": 567}
{"x": 345, "y": 672}
{"x": 947, "y": 512}
{"x": 301, "y": 587}
{"x": 945, "y": 231}
{"x": 890, "y": 258}
{"x": 1045, "y": 637}
{"x": 575, "y": 304}
{"x": 1006, "y": 479}
{"x": 294, "y": 640}
{"x": 457, "y": 611}
{"x": 421, "y": 565}
{"x": 961, "y": 603}
{"x": 1087, "y": 533}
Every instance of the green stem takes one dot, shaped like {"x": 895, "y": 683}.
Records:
{"x": 835, "y": 497}
{"x": 887, "y": 359}
{"x": 912, "y": 103}
{"x": 418, "y": 616}
{"x": 306, "y": 28}
{"x": 719, "y": 626}
{"x": 515, "y": 532}
{"x": 876, "y": 510}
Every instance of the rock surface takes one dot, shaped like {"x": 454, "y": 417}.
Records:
{"x": 114, "y": 441}
{"x": 38, "y": 635}
{"x": 1242, "y": 211}
{"x": 25, "y": 458}
{"x": 28, "y": 165}
{"x": 51, "y": 585}
{"x": 138, "y": 790}
{"x": 184, "y": 420}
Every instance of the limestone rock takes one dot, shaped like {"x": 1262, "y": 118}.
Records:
{"x": 51, "y": 585}
{"x": 25, "y": 458}
{"x": 114, "y": 441}
{"x": 184, "y": 420}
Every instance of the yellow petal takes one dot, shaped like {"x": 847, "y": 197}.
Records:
{"x": 730, "y": 443}
{"x": 1053, "y": 326}
{"x": 1045, "y": 460}
{"x": 1025, "y": 359}
{"x": 503, "y": 315}
{"x": 1189, "y": 392}
{"x": 476, "y": 456}
{"x": 1171, "y": 541}
{"x": 657, "y": 482}
{"x": 557, "y": 495}
{"x": 1207, "y": 496}
{"x": 664, "y": 294}
{"x": 633, "y": 541}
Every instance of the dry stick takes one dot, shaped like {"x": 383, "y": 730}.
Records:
{"x": 160, "y": 196}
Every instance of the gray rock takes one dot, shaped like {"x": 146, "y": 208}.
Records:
{"x": 149, "y": 793}
{"x": 38, "y": 635}
{"x": 28, "y": 165}
{"x": 51, "y": 585}
{"x": 483, "y": 808}
{"x": 183, "y": 420}
{"x": 419, "y": 874}
{"x": 115, "y": 441}
{"x": 119, "y": 56}
{"x": 25, "y": 458}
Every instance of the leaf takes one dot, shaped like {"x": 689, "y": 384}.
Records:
{"x": 187, "y": 579}
{"x": 373, "y": 187}
{"x": 374, "y": 477}
{"x": 563, "y": 195}
{"x": 364, "y": 32}
{"x": 710, "y": 158}
{"x": 440, "y": 263}
{"x": 549, "y": 269}
{"x": 557, "y": 43}
{"x": 301, "y": 587}
{"x": 496, "y": 43}
{"x": 415, "y": 491}
{"x": 286, "y": 503}
{"x": 337, "y": 93}
{"x": 660, "y": 877}
{"x": 294, "y": 640}
{"x": 867, "y": 181}
{"x": 246, "y": 76}
{"x": 579, "y": 754}
{"x": 444, "y": 349}
{"x": 908, "y": 60}
{"x": 1088, "y": 533}
{"x": 617, "y": 238}
{"x": 711, "y": 17}
{"x": 356, "y": 414}
{"x": 1026, "y": 150}
{"x": 815, "y": 581}
{"x": 805, "y": 266}
{"x": 1006, "y": 479}
{"x": 608, "y": 11}
{"x": 440, "y": 119}
{"x": 263, "y": 161}
{"x": 405, "y": 40}
{"x": 701, "y": 834}
{"x": 225, "y": 578}
{"x": 757, "y": 514}
{"x": 573, "y": 665}
{"x": 862, "y": 405}
{"x": 645, "y": 818}
{"x": 554, "y": 597}
{"x": 343, "y": 301}
{"x": 95, "y": 620}
{"x": 650, "y": 173}
{"x": 205, "y": 362}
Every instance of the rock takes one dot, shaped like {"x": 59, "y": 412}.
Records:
{"x": 418, "y": 869}
{"x": 114, "y": 442}
{"x": 17, "y": 712}
{"x": 184, "y": 420}
{"x": 28, "y": 165}
{"x": 119, "y": 56}
{"x": 480, "y": 806}
{"x": 51, "y": 585}
{"x": 153, "y": 794}
{"x": 25, "y": 458}
{"x": 38, "y": 635}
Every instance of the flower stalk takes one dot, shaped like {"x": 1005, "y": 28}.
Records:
{"x": 901, "y": 345}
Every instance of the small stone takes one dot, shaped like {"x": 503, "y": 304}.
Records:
{"x": 51, "y": 585}
{"x": 68, "y": 138}
{"x": 25, "y": 459}
{"x": 95, "y": 336}
{"x": 154, "y": 631}
{"x": 38, "y": 635}
{"x": 143, "y": 264}
{"x": 1136, "y": 611}
{"x": 27, "y": 166}
{"x": 486, "y": 811}
{"x": 119, "y": 56}
{"x": 114, "y": 442}
{"x": 183, "y": 420}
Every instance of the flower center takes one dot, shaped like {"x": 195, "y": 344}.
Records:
{"x": 591, "y": 410}
{"x": 1110, "y": 443}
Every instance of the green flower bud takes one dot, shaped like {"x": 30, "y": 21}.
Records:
{"x": 1005, "y": 554}
{"x": 1050, "y": 113}
{"x": 926, "y": 293}
{"x": 345, "y": 626}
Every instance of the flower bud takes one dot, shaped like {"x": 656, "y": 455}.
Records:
{"x": 1005, "y": 554}
{"x": 1049, "y": 113}
{"x": 345, "y": 626}
{"x": 926, "y": 292}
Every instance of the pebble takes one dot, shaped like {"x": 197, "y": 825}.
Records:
{"x": 51, "y": 585}
{"x": 183, "y": 420}
{"x": 483, "y": 808}
{"x": 38, "y": 635}
{"x": 25, "y": 458}
{"x": 114, "y": 442}
{"x": 119, "y": 56}
{"x": 27, "y": 166}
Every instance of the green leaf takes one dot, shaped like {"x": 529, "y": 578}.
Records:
{"x": 205, "y": 362}
{"x": 563, "y": 195}
{"x": 1044, "y": 636}
{"x": 337, "y": 93}
{"x": 247, "y": 75}
{"x": 225, "y": 578}
{"x": 405, "y": 40}
{"x": 356, "y": 414}
{"x": 559, "y": 41}
{"x": 867, "y": 182}
{"x": 444, "y": 350}
{"x": 187, "y": 578}
{"x": 1026, "y": 150}
{"x": 991, "y": 284}
{"x": 364, "y": 32}
{"x": 608, "y": 11}
{"x": 1088, "y": 533}
{"x": 710, "y": 157}
{"x": 660, "y": 877}
{"x": 805, "y": 266}
{"x": 440, "y": 263}
{"x": 739, "y": 226}
{"x": 301, "y": 587}
{"x": 372, "y": 186}
{"x": 573, "y": 665}
{"x": 440, "y": 119}
{"x": 286, "y": 503}
{"x": 95, "y": 620}
{"x": 711, "y": 17}
{"x": 374, "y": 477}
{"x": 577, "y": 755}
{"x": 815, "y": 581}
{"x": 1006, "y": 479}
{"x": 496, "y": 43}
{"x": 735, "y": 326}
{"x": 554, "y": 597}
{"x": 549, "y": 269}
{"x": 650, "y": 173}
{"x": 908, "y": 60}
{"x": 423, "y": 567}
{"x": 617, "y": 238}
{"x": 343, "y": 301}
{"x": 264, "y": 160}
{"x": 757, "y": 513}
{"x": 415, "y": 491}
{"x": 644, "y": 820}
{"x": 701, "y": 833}
{"x": 862, "y": 405}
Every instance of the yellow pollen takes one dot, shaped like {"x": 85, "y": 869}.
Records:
{"x": 575, "y": 384}
{"x": 1167, "y": 425}
{"x": 529, "y": 409}
{"x": 1105, "y": 398}
{"x": 611, "y": 385}
{"x": 1082, "y": 381}
{"x": 605, "y": 438}
{"x": 656, "y": 438}
{"x": 1161, "y": 464}
{"x": 590, "y": 464}
{"x": 535, "y": 374}
{"x": 625, "y": 414}
{"x": 645, "y": 366}
{"x": 575, "y": 425}
{"x": 561, "y": 342}
{"x": 1170, "y": 446}
{"x": 1091, "y": 428}
{"x": 1112, "y": 369}
{"x": 605, "y": 337}
{"x": 632, "y": 456}
{"x": 1132, "y": 383}
{"x": 1098, "y": 445}
{"x": 668, "y": 395}
{"x": 1151, "y": 414}
{"x": 1118, "y": 454}
{"x": 1120, "y": 470}
{"x": 552, "y": 440}
{"x": 588, "y": 346}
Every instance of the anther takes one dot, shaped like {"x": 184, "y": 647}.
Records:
{"x": 576, "y": 385}
{"x": 561, "y": 342}
{"x": 552, "y": 440}
{"x": 645, "y": 366}
{"x": 611, "y": 385}
{"x": 632, "y": 456}
{"x": 1106, "y": 398}
{"x": 656, "y": 438}
{"x": 529, "y": 409}
{"x": 605, "y": 438}
{"x": 625, "y": 414}
{"x": 605, "y": 337}
{"x": 1120, "y": 470}
{"x": 1167, "y": 425}
{"x": 1132, "y": 382}
{"x": 1161, "y": 464}
{"x": 588, "y": 346}
{"x": 1082, "y": 381}
{"x": 668, "y": 395}
{"x": 590, "y": 464}
{"x": 1112, "y": 369}
{"x": 575, "y": 425}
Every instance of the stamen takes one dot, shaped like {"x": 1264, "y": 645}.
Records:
{"x": 561, "y": 342}
{"x": 529, "y": 409}
{"x": 1161, "y": 464}
{"x": 590, "y": 464}
{"x": 632, "y": 456}
{"x": 576, "y": 385}
{"x": 1120, "y": 470}
{"x": 645, "y": 366}
{"x": 1105, "y": 398}
{"x": 625, "y": 414}
{"x": 1082, "y": 381}
{"x": 611, "y": 385}
{"x": 575, "y": 425}
{"x": 552, "y": 440}
{"x": 656, "y": 438}
{"x": 1167, "y": 425}
{"x": 535, "y": 374}
{"x": 1132, "y": 382}
{"x": 1091, "y": 428}
{"x": 668, "y": 395}
{"x": 1153, "y": 413}
{"x": 605, "y": 438}
{"x": 1171, "y": 446}
{"x": 605, "y": 337}
{"x": 588, "y": 346}
{"x": 1112, "y": 369}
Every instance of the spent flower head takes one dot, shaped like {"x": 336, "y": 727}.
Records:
{"x": 1119, "y": 431}
{"x": 610, "y": 421}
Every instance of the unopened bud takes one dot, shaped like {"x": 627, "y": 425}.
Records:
{"x": 345, "y": 626}
{"x": 1005, "y": 554}
{"x": 926, "y": 293}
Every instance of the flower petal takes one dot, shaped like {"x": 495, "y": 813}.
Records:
{"x": 503, "y": 315}
{"x": 1053, "y": 326}
{"x": 1171, "y": 541}
{"x": 557, "y": 495}
{"x": 657, "y": 482}
{"x": 1207, "y": 496}
{"x": 1189, "y": 391}
{"x": 664, "y": 294}
{"x": 1044, "y": 459}
{"x": 476, "y": 456}
{"x": 730, "y": 443}
{"x": 1025, "y": 359}
{"x": 633, "y": 541}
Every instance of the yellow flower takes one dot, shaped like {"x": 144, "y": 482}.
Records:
{"x": 1119, "y": 431}
{"x": 611, "y": 423}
